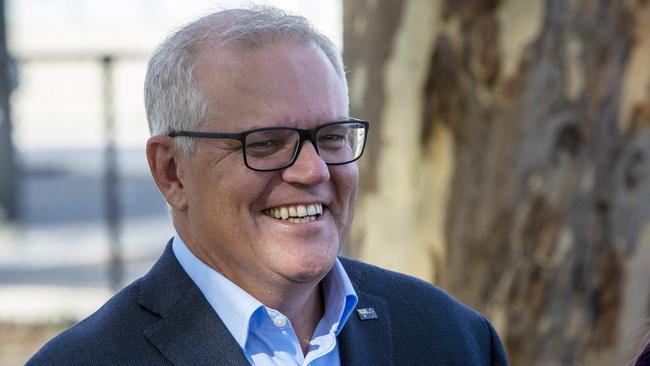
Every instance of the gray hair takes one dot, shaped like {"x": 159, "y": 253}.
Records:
{"x": 172, "y": 99}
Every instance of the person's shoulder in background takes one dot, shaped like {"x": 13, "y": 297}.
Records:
{"x": 644, "y": 357}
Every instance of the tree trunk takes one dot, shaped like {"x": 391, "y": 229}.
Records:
{"x": 509, "y": 162}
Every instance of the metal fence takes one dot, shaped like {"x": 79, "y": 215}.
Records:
{"x": 71, "y": 163}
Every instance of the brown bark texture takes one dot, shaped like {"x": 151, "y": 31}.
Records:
{"x": 509, "y": 162}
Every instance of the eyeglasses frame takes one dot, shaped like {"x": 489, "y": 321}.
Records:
{"x": 304, "y": 134}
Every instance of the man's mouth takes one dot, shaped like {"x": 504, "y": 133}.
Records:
{"x": 296, "y": 214}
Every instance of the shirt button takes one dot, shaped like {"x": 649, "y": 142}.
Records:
{"x": 280, "y": 321}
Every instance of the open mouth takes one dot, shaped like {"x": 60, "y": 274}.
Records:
{"x": 296, "y": 214}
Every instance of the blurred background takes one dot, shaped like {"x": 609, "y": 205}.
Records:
{"x": 508, "y": 160}
{"x": 79, "y": 214}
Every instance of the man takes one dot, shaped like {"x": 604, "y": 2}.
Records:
{"x": 253, "y": 149}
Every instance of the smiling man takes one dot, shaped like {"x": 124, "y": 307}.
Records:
{"x": 254, "y": 151}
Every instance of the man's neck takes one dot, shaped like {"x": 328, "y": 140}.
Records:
{"x": 305, "y": 315}
{"x": 302, "y": 303}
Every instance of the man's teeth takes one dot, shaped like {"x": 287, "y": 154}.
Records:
{"x": 296, "y": 214}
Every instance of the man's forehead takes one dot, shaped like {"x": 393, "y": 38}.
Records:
{"x": 277, "y": 84}
{"x": 235, "y": 51}
{"x": 242, "y": 66}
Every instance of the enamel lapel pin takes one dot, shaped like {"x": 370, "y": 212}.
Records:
{"x": 367, "y": 313}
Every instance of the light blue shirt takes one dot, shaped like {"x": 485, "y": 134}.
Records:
{"x": 264, "y": 334}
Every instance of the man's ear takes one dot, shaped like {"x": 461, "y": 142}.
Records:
{"x": 163, "y": 158}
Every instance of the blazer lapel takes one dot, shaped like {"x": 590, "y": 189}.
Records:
{"x": 367, "y": 342}
{"x": 189, "y": 332}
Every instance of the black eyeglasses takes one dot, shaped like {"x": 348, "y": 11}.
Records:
{"x": 275, "y": 148}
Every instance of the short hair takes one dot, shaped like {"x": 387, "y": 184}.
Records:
{"x": 171, "y": 96}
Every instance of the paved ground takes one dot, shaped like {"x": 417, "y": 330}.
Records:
{"x": 54, "y": 260}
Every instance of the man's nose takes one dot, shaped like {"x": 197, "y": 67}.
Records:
{"x": 309, "y": 168}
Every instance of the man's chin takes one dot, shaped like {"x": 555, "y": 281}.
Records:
{"x": 306, "y": 277}
{"x": 308, "y": 270}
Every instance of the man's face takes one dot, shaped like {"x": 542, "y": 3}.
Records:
{"x": 227, "y": 221}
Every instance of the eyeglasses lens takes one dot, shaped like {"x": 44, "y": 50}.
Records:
{"x": 275, "y": 149}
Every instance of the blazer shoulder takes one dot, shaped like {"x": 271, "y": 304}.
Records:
{"x": 104, "y": 337}
{"x": 425, "y": 315}
{"x": 396, "y": 286}
{"x": 115, "y": 333}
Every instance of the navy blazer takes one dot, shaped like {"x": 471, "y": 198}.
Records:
{"x": 163, "y": 319}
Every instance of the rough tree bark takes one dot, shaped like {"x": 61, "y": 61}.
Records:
{"x": 509, "y": 162}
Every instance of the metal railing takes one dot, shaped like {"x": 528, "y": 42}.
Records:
{"x": 111, "y": 177}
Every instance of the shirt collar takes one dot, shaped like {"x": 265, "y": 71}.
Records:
{"x": 340, "y": 297}
{"x": 235, "y": 306}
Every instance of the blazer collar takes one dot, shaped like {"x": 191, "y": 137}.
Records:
{"x": 369, "y": 341}
{"x": 188, "y": 332}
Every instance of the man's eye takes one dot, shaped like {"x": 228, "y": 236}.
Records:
{"x": 264, "y": 147}
{"x": 331, "y": 141}
{"x": 332, "y": 138}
